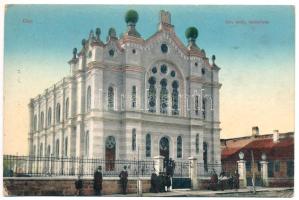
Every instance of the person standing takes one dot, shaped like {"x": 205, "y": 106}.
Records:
{"x": 221, "y": 180}
{"x": 237, "y": 176}
{"x": 170, "y": 171}
{"x": 79, "y": 186}
{"x": 97, "y": 181}
{"x": 124, "y": 180}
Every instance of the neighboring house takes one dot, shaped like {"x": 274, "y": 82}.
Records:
{"x": 129, "y": 97}
{"x": 279, "y": 151}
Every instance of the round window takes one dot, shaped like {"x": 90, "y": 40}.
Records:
{"x": 111, "y": 52}
{"x": 164, "y": 69}
{"x": 154, "y": 70}
{"x": 164, "y": 48}
{"x": 172, "y": 73}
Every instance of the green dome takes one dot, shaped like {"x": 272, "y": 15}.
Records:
{"x": 131, "y": 16}
{"x": 191, "y": 32}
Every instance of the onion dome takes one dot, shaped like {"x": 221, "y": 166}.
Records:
{"x": 191, "y": 33}
{"x": 131, "y": 17}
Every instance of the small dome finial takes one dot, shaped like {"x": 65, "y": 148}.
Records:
{"x": 98, "y": 33}
{"x": 83, "y": 42}
{"x": 213, "y": 59}
{"x": 74, "y": 53}
{"x": 131, "y": 16}
{"x": 191, "y": 33}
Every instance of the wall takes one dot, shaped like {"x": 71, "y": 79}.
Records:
{"x": 65, "y": 186}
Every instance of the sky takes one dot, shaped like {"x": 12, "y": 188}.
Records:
{"x": 254, "y": 47}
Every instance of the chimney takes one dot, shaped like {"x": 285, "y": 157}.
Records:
{"x": 255, "y": 131}
{"x": 275, "y": 136}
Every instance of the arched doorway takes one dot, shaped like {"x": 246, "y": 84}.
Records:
{"x": 164, "y": 147}
{"x": 110, "y": 146}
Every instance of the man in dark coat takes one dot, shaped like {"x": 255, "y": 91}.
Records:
{"x": 236, "y": 180}
{"x": 154, "y": 183}
{"x": 168, "y": 182}
{"x": 170, "y": 171}
{"x": 97, "y": 181}
{"x": 79, "y": 186}
{"x": 124, "y": 180}
{"x": 162, "y": 181}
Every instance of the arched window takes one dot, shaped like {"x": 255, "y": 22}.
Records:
{"x": 41, "y": 149}
{"x": 58, "y": 113}
{"x": 179, "y": 147}
{"x": 88, "y": 99}
{"x": 196, "y": 105}
{"x": 65, "y": 146}
{"x": 175, "y": 98}
{"x": 148, "y": 145}
{"x": 57, "y": 148}
{"x": 163, "y": 96}
{"x": 67, "y": 108}
{"x": 35, "y": 123}
{"x": 110, "y": 153}
{"x": 133, "y": 139}
{"x": 152, "y": 94}
{"x": 110, "y": 98}
{"x": 197, "y": 143}
{"x": 205, "y": 156}
{"x": 86, "y": 144}
{"x": 42, "y": 120}
{"x": 34, "y": 150}
{"x": 49, "y": 116}
{"x": 203, "y": 108}
{"x": 49, "y": 150}
{"x": 134, "y": 96}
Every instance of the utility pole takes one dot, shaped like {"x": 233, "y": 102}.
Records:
{"x": 253, "y": 172}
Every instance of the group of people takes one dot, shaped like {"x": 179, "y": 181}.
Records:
{"x": 98, "y": 180}
{"x": 231, "y": 180}
{"x": 162, "y": 182}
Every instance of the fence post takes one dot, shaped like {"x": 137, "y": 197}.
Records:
{"x": 159, "y": 161}
{"x": 242, "y": 172}
{"x": 193, "y": 172}
{"x": 264, "y": 169}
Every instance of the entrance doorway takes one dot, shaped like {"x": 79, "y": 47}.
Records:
{"x": 164, "y": 147}
{"x": 110, "y": 147}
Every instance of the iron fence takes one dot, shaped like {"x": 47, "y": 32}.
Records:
{"x": 181, "y": 169}
{"x": 74, "y": 166}
{"x": 204, "y": 169}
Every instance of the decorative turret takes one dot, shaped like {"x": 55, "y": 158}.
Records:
{"x": 131, "y": 18}
{"x": 74, "y": 53}
{"x": 98, "y": 33}
{"x": 111, "y": 34}
{"x": 83, "y": 42}
{"x": 165, "y": 21}
{"x": 83, "y": 50}
{"x": 213, "y": 59}
{"x": 91, "y": 35}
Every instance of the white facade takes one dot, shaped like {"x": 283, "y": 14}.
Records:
{"x": 107, "y": 94}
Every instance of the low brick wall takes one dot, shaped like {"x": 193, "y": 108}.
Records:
{"x": 281, "y": 182}
{"x": 203, "y": 184}
{"x": 65, "y": 186}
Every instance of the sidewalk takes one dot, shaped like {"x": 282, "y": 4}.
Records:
{"x": 203, "y": 193}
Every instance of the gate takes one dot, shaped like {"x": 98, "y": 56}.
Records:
{"x": 256, "y": 168}
{"x": 181, "y": 177}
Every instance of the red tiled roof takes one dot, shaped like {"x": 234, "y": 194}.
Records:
{"x": 282, "y": 150}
